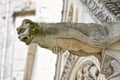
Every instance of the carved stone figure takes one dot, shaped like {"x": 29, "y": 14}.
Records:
{"x": 92, "y": 34}
{"x": 89, "y": 38}
{"x": 79, "y": 38}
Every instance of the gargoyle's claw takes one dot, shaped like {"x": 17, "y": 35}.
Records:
{"x": 57, "y": 50}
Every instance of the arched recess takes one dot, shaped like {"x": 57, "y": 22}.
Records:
{"x": 70, "y": 14}
{"x": 86, "y": 68}
{"x": 76, "y": 16}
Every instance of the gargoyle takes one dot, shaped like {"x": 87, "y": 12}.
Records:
{"x": 87, "y": 37}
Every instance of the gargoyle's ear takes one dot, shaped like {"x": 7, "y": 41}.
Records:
{"x": 27, "y": 21}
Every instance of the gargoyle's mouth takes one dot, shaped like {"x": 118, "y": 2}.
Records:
{"x": 24, "y": 39}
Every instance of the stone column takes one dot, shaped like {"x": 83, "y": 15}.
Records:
{"x": 30, "y": 61}
{"x": 8, "y": 44}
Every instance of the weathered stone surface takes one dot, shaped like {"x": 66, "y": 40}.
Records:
{"x": 86, "y": 68}
{"x": 80, "y": 39}
{"x": 90, "y": 38}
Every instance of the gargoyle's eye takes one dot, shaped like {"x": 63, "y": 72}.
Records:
{"x": 21, "y": 30}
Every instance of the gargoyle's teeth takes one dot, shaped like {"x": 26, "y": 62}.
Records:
{"x": 23, "y": 38}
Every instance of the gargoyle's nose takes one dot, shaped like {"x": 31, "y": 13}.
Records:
{"x": 18, "y": 30}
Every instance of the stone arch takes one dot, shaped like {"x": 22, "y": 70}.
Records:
{"x": 83, "y": 68}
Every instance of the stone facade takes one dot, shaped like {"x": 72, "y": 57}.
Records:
{"x": 72, "y": 67}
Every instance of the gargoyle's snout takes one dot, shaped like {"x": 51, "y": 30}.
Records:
{"x": 23, "y": 38}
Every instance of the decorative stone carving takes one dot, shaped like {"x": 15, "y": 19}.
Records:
{"x": 104, "y": 10}
{"x": 80, "y": 39}
{"x": 68, "y": 66}
{"x": 87, "y": 68}
{"x": 90, "y": 38}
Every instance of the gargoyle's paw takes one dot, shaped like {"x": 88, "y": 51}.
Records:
{"x": 95, "y": 43}
{"x": 99, "y": 43}
{"x": 57, "y": 50}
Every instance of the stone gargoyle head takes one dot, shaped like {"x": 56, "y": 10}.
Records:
{"x": 28, "y": 30}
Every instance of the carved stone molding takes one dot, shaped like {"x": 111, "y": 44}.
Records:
{"x": 90, "y": 68}
{"x": 86, "y": 68}
{"x": 104, "y": 10}
{"x": 111, "y": 68}
{"x": 68, "y": 66}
